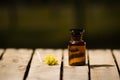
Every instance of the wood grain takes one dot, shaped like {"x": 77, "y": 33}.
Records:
{"x": 102, "y": 65}
{"x": 13, "y": 64}
{"x": 40, "y": 70}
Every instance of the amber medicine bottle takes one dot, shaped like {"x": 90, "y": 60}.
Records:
{"x": 76, "y": 48}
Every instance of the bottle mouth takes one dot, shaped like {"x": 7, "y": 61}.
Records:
{"x": 77, "y": 31}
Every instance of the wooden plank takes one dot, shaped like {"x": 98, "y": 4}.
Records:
{"x": 74, "y": 72}
{"x": 101, "y": 57}
{"x": 117, "y": 57}
{"x": 104, "y": 73}
{"x": 40, "y": 70}
{"x": 1, "y": 51}
{"x": 13, "y": 64}
{"x": 102, "y": 65}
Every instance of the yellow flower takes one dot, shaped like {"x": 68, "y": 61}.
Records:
{"x": 51, "y": 59}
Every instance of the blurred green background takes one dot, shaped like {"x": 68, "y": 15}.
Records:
{"x": 46, "y": 23}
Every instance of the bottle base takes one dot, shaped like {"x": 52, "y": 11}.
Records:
{"x": 77, "y": 64}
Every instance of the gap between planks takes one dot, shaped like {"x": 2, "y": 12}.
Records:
{"x": 40, "y": 70}
{"x": 102, "y": 65}
{"x": 116, "y": 54}
{"x": 1, "y": 53}
{"x": 28, "y": 67}
{"x": 13, "y": 64}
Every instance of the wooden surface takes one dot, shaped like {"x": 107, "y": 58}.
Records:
{"x": 117, "y": 57}
{"x": 41, "y": 71}
{"x": 102, "y": 65}
{"x": 13, "y": 64}
{"x": 29, "y": 64}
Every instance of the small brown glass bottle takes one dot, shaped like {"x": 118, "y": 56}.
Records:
{"x": 76, "y": 48}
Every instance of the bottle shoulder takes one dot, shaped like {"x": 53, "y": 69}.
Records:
{"x": 77, "y": 43}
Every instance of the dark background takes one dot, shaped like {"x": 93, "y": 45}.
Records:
{"x": 46, "y": 23}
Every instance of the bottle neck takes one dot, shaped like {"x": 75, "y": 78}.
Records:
{"x": 76, "y": 37}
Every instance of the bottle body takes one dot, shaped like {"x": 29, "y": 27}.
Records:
{"x": 76, "y": 50}
{"x": 76, "y": 54}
